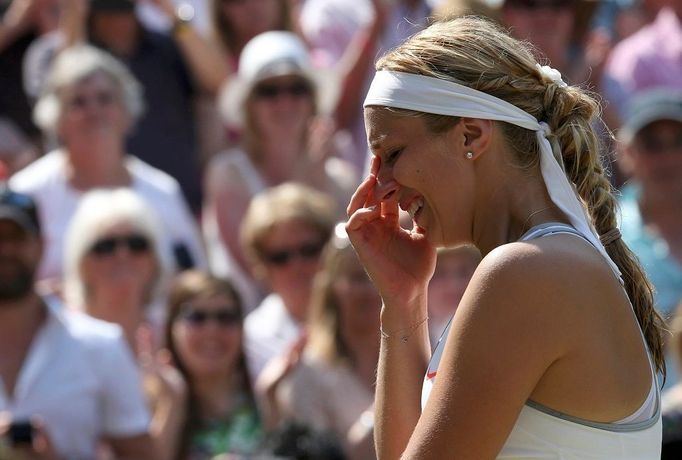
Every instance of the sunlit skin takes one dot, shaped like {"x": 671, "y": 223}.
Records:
{"x": 123, "y": 268}
{"x": 209, "y": 350}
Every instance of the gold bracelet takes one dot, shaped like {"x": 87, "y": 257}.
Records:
{"x": 404, "y": 333}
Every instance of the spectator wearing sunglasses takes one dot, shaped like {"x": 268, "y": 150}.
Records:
{"x": 283, "y": 233}
{"x": 115, "y": 271}
{"x": 275, "y": 98}
{"x": 330, "y": 386}
{"x": 72, "y": 372}
{"x": 91, "y": 102}
{"x": 113, "y": 266}
{"x": 204, "y": 336}
{"x": 651, "y": 201}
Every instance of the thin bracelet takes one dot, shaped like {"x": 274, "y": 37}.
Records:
{"x": 406, "y": 333}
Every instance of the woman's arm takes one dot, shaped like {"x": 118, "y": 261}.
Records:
{"x": 205, "y": 62}
{"x": 505, "y": 335}
{"x": 400, "y": 263}
{"x": 503, "y": 338}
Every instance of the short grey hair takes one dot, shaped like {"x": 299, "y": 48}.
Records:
{"x": 98, "y": 210}
{"x": 73, "y": 65}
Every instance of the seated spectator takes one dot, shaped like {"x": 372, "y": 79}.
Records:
{"x": 454, "y": 268}
{"x": 651, "y": 202}
{"x": 72, "y": 372}
{"x": 112, "y": 263}
{"x": 276, "y": 96}
{"x": 174, "y": 71}
{"x": 90, "y": 103}
{"x": 114, "y": 272}
{"x": 283, "y": 233}
{"x": 204, "y": 336}
{"x": 331, "y": 388}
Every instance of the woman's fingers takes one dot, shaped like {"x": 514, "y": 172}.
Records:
{"x": 362, "y": 195}
{"x": 363, "y": 216}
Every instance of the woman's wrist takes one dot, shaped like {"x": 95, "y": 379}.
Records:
{"x": 404, "y": 318}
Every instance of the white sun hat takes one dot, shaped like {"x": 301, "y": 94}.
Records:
{"x": 273, "y": 54}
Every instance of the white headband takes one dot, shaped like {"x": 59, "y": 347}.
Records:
{"x": 442, "y": 97}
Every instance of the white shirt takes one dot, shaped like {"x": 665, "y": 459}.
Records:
{"x": 80, "y": 377}
{"x": 45, "y": 180}
{"x": 269, "y": 331}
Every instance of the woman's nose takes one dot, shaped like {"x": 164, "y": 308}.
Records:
{"x": 385, "y": 190}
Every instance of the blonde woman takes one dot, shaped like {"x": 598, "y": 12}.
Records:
{"x": 331, "y": 388}
{"x": 554, "y": 348}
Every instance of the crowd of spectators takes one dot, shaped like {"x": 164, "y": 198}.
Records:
{"x": 174, "y": 280}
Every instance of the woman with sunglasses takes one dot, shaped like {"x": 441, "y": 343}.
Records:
{"x": 283, "y": 233}
{"x": 90, "y": 104}
{"x": 330, "y": 387}
{"x": 115, "y": 271}
{"x": 275, "y": 98}
{"x": 203, "y": 334}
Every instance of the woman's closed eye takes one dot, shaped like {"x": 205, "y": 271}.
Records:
{"x": 392, "y": 157}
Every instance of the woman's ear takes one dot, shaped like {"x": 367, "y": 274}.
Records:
{"x": 475, "y": 136}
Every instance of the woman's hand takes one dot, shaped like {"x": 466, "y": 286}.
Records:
{"x": 399, "y": 261}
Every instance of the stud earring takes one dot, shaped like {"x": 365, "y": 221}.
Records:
{"x": 470, "y": 155}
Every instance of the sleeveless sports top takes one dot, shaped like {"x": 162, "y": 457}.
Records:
{"x": 543, "y": 433}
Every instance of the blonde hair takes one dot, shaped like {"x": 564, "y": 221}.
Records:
{"x": 284, "y": 203}
{"x": 98, "y": 210}
{"x": 474, "y": 52}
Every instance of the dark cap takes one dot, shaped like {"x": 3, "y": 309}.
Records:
{"x": 113, "y": 6}
{"x": 650, "y": 106}
{"x": 20, "y": 209}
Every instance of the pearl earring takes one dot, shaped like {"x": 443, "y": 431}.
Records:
{"x": 470, "y": 155}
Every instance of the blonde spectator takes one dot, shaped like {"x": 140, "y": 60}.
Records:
{"x": 283, "y": 234}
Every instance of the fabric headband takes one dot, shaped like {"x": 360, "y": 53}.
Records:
{"x": 442, "y": 97}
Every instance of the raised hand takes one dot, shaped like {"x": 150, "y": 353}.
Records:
{"x": 399, "y": 261}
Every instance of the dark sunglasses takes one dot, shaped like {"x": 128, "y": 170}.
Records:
{"x": 306, "y": 251}
{"x": 136, "y": 244}
{"x": 272, "y": 91}
{"x": 653, "y": 144}
{"x": 223, "y": 317}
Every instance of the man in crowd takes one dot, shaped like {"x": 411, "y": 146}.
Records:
{"x": 68, "y": 383}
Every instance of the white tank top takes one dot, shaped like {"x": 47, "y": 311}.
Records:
{"x": 542, "y": 433}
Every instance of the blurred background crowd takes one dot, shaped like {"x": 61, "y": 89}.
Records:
{"x": 175, "y": 279}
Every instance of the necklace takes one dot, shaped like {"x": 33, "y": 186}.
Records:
{"x": 530, "y": 216}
